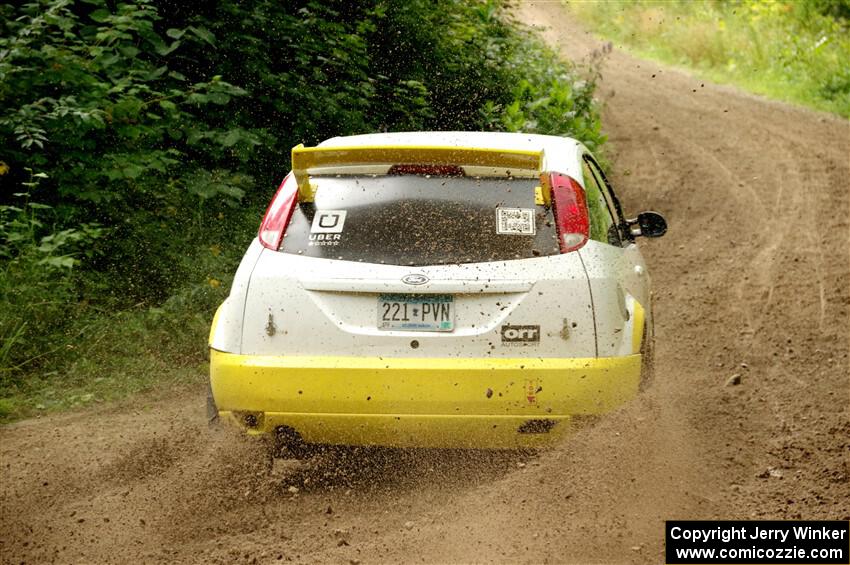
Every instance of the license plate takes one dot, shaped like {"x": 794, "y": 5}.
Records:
{"x": 416, "y": 312}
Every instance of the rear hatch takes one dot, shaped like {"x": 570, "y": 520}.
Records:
{"x": 420, "y": 265}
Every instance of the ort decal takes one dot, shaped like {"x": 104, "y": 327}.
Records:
{"x": 520, "y": 335}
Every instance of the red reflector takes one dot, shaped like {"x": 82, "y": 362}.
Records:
{"x": 278, "y": 214}
{"x": 436, "y": 170}
{"x": 570, "y": 207}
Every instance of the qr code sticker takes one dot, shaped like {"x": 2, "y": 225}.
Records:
{"x": 515, "y": 221}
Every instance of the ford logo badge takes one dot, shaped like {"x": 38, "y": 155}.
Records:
{"x": 415, "y": 279}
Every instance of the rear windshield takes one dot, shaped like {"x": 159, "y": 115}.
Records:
{"x": 422, "y": 220}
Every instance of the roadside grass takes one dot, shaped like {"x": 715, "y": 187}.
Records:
{"x": 41, "y": 397}
{"x": 109, "y": 356}
{"x": 794, "y": 51}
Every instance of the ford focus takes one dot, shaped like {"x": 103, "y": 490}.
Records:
{"x": 435, "y": 289}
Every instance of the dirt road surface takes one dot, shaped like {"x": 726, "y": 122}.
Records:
{"x": 752, "y": 279}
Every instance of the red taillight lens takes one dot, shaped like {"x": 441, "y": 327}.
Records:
{"x": 280, "y": 211}
{"x": 570, "y": 208}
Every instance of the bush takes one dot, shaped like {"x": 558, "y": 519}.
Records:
{"x": 36, "y": 280}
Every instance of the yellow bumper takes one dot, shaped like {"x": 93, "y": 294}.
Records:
{"x": 421, "y": 402}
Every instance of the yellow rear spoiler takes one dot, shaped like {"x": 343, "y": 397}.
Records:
{"x": 306, "y": 158}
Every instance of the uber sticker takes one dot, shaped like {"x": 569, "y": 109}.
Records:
{"x": 328, "y": 221}
{"x": 324, "y": 239}
{"x": 515, "y": 221}
{"x": 520, "y": 335}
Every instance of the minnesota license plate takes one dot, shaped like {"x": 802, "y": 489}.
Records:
{"x": 416, "y": 312}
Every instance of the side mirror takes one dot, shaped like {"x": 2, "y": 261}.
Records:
{"x": 648, "y": 224}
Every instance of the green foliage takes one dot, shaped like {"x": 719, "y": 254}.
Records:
{"x": 140, "y": 141}
{"x": 36, "y": 278}
{"x": 90, "y": 96}
{"x": 794, "y": 50}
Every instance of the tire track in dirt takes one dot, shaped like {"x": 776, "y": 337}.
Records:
{"x": 753, "y": 278}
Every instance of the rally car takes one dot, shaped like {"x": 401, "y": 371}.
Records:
{"x": 435, "y": 289}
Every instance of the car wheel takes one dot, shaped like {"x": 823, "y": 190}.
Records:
{"x": 647, "y": 362}
{"x": 212, "y": 409}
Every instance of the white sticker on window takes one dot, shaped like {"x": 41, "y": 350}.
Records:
{"x": 515, "y": 221}
{"x": 328, "y": 221}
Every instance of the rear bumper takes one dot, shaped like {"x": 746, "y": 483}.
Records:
{"x": 419, "y": 402}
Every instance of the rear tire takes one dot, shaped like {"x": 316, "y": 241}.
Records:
{"x": 647, "y": 361}
{"x": 212, "y": 409}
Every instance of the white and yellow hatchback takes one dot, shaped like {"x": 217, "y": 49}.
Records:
{"x": 435, "y": 289}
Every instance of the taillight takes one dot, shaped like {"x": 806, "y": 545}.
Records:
{"x": 570, "y": 207}
{"x": 278, "y": 214}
